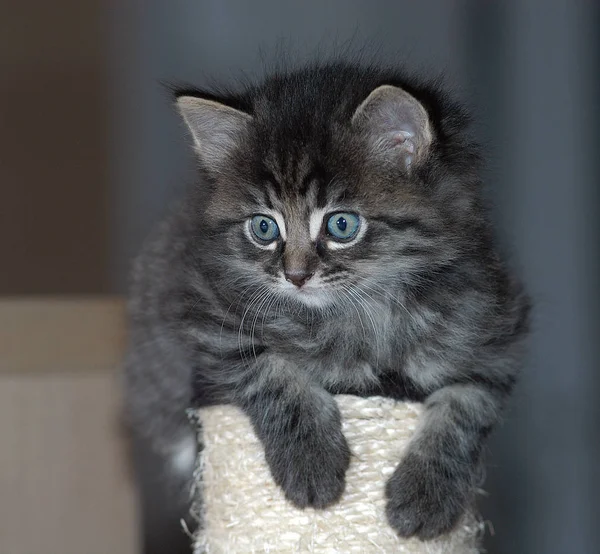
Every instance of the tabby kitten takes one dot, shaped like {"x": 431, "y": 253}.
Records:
{"x": 335, "y": 242}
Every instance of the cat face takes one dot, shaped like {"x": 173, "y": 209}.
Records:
{"x": 306, "y": 250}
{"x": 318, "y": 245}
{"x": 318, "y": 198}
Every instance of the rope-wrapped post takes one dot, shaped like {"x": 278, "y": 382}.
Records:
{"x": 243, "y": 511}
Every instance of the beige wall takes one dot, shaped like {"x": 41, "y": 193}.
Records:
{"x": 53, "y": 147}
{"x": 65, "y": 484}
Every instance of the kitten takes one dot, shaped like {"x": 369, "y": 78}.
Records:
{"x": 335, "y": 242}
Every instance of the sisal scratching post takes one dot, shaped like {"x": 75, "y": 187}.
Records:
{"x": 243, "y": 511}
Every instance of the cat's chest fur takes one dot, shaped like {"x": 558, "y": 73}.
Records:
{"x": 348, "y": 351}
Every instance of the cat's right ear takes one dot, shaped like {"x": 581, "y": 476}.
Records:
{"x": 396, "y": 125}
{"x": 215, "y": 128}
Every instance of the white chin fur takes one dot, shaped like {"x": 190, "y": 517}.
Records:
{"x": 309, "y": 297}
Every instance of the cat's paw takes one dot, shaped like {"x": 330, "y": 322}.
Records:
{"x": 425, "y": 498}
{"x": 311, "y": 473}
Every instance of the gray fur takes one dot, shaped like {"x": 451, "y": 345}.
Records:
{"x": 419, "y": 307}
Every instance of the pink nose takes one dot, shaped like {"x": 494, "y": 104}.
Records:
{"x": 298, "y": 276}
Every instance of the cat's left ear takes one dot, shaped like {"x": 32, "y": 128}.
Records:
{"x": 216, "y": 128}
{"x": 396, "y": 125}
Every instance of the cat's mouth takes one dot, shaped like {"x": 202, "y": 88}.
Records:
{"x": 311, "y": 293}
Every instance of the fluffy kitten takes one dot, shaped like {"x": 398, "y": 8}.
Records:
{"x": 335, "y": 243}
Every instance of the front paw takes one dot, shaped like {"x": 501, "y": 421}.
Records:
{"x": 425, "y": 497}
{"x": 311, "y": 472}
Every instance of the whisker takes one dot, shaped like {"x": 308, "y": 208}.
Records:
{"x": 344, "y": 291}
{"x": 368, "y": 311}
{"x": 266, "y": 297}
{"x": 380, "y": 290}
{"x": 253, "y": 299}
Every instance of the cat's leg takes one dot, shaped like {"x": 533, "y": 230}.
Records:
{"x": 163, "y": 445}
{"x": 300, "y": 427}
{"x": 433, "y": 484}
{"x": 163, "y": 480}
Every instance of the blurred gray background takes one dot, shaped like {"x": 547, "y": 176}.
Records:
{"x": 111, "y": 153}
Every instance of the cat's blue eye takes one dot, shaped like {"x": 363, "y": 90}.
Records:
{"x": 343, "y": 225}
{"x": 264, "y": 228}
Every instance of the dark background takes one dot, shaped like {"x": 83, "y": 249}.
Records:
{"x": 91, "y": 151}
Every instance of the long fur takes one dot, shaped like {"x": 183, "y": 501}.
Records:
{"x": 421, "y": 308}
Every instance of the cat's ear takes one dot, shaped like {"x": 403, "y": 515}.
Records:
{"x": 215, "y": 128}
{"x": 396, "y": 125}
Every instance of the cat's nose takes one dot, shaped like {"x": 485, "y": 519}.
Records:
{"x": 298, "y": 276}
